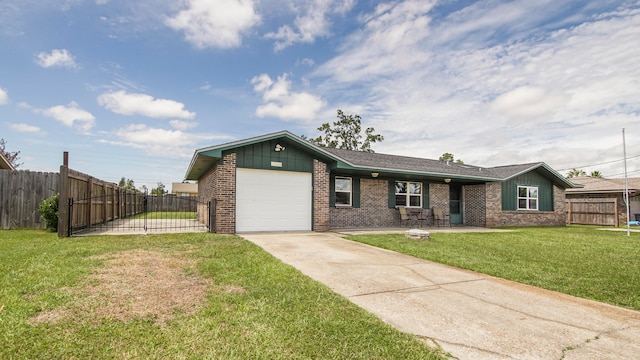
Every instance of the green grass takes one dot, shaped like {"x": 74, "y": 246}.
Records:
{"x": 280, "y": 314}
{"x": 165, "y": 215}
{"x": 575, "y": 260}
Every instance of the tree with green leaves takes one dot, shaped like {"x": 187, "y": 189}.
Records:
{"x": 596, "y": 174}
{"x": 159, "y": 190}
{"x": 575, "y": 173}
{"x": 11, "y": 156}
{"x": 346, "y": 133}
{"x": 126, "y": 184}
{"x": 449, "y": 157}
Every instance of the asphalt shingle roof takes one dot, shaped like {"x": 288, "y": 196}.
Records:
{"x": 406, "y": 163}
{"x": 205, "y": 158}
{"x": 602, "y": 185}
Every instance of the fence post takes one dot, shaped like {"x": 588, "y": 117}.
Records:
{"x": 89, "y": 211}
{"x": 63, "y": 202}
{"x": 211, "y": 210}
{"x": 70, "y": 212}
{"x": 144, "y": 202}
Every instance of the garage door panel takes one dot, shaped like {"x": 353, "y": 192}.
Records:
{"x": 268, "y": 200}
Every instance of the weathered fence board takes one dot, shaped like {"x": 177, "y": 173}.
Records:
{"x": 94, "y": 201}
{"x": 21, "y": 192}
{"x": 596, "y": 211}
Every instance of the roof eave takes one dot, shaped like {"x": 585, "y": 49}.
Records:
{"x": 217, "y": 150}
{"x": 6, "y": 162}
{"x": 559, "y": 179}
{"x": 341, "y": 165}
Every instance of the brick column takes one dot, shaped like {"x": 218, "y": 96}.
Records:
{"x": 494, "y": 204}
{"x": 439, "y": 196}
{"x": 474, "y": 205}
{"x": 321, "y": 179}
{"x": 225, "y": 194}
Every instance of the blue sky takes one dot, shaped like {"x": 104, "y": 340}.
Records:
{"x": 132, "y": 88}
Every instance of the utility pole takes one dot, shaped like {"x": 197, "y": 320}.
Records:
{"x": 626, "y": 184}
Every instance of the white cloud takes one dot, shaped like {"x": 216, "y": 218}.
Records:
{"x": 4, "y": 96}
{"x": 312, "y": 21}
{"x": 549, "y": 92}
{"x": 528, "y": 103}
{"x": 281, "y": 103}
{"x": 305, "y": 61}
{"x": 390, "y": 42}
{"x": 20, "y": 127}
{"x": 171, "y": 143}
{"x": 183, "y": 125}
{"x": 71, "y": 115}
{"x": 121, "y": 102}
{"x": 143, "y": 134}
{"x": 215, "y": 23}
{"x": 56, "y": 58}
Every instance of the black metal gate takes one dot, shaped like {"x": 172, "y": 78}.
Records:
{"x": 139, "y": 213}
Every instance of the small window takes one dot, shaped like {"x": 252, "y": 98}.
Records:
{"x": 343, "y": 191}
{"x": 527, "y": 198}
{"x": 408, "y": 194}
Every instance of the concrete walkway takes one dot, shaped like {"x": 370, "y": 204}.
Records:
{"x": 470, "y": 315}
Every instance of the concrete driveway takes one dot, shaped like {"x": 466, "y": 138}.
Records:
{"x": 470, "y": 315}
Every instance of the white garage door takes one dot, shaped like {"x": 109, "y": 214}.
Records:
{"x": 268, "y": 200}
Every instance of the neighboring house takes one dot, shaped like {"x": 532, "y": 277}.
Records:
{"x": 184, "y": 189}
{"x": 600, "y": 191}
{"x": 5, "y": 164}
{"x": 280, "y": 182}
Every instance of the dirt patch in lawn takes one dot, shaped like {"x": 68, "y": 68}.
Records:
{"x": 137, "y": 284}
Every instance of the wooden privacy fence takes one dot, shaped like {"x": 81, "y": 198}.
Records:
{"x": 170, "y": 203}
{"x": 94, "y": 201}
{"x": 602, "y": 211}
{"x": 21, "y": 193}
{"x": 90, "y": 205}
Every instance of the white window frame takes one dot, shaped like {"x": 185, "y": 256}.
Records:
{"x": 408, "y": 195}
{"x": 349, "y": 190}
{"x": 529, "y": 197}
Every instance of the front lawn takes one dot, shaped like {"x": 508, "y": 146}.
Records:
{"x": 575, "y": 260}
{"x": 177, "y": 296}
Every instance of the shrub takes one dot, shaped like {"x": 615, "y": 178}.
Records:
{"x": 49, "y": 212}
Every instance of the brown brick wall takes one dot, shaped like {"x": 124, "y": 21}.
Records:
{"x": 206, "y": 192}
{"x": 497, "y": 217}
{"x": 321, "y": 215}
{"x": 439, "y": 196}
{"x": 474, "y": 205}
{"x": 374, "y": 209}
{"x": 482, "y": 204}
{"x": 219, "y": 185}
{"x": 226, "y": 195}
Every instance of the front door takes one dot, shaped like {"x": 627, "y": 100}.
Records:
{"x": 455, "y": 203}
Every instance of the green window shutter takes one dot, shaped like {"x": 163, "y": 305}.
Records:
{"x": 425, "y": 195}
{"x": 355, "y": 195}
{"x": 392, "y": 194}
{"x": 332, "y": 191}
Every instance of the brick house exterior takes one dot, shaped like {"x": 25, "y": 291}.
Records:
{"x": 471, "y": 195}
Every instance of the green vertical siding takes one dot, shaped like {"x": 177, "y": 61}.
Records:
{"x": 261, "y": 156}
{"x": 545, "y": 191}
{"x": 425, "y": 195}
{"x": 355, "y": 196}
{"x": 392, "y": 194}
